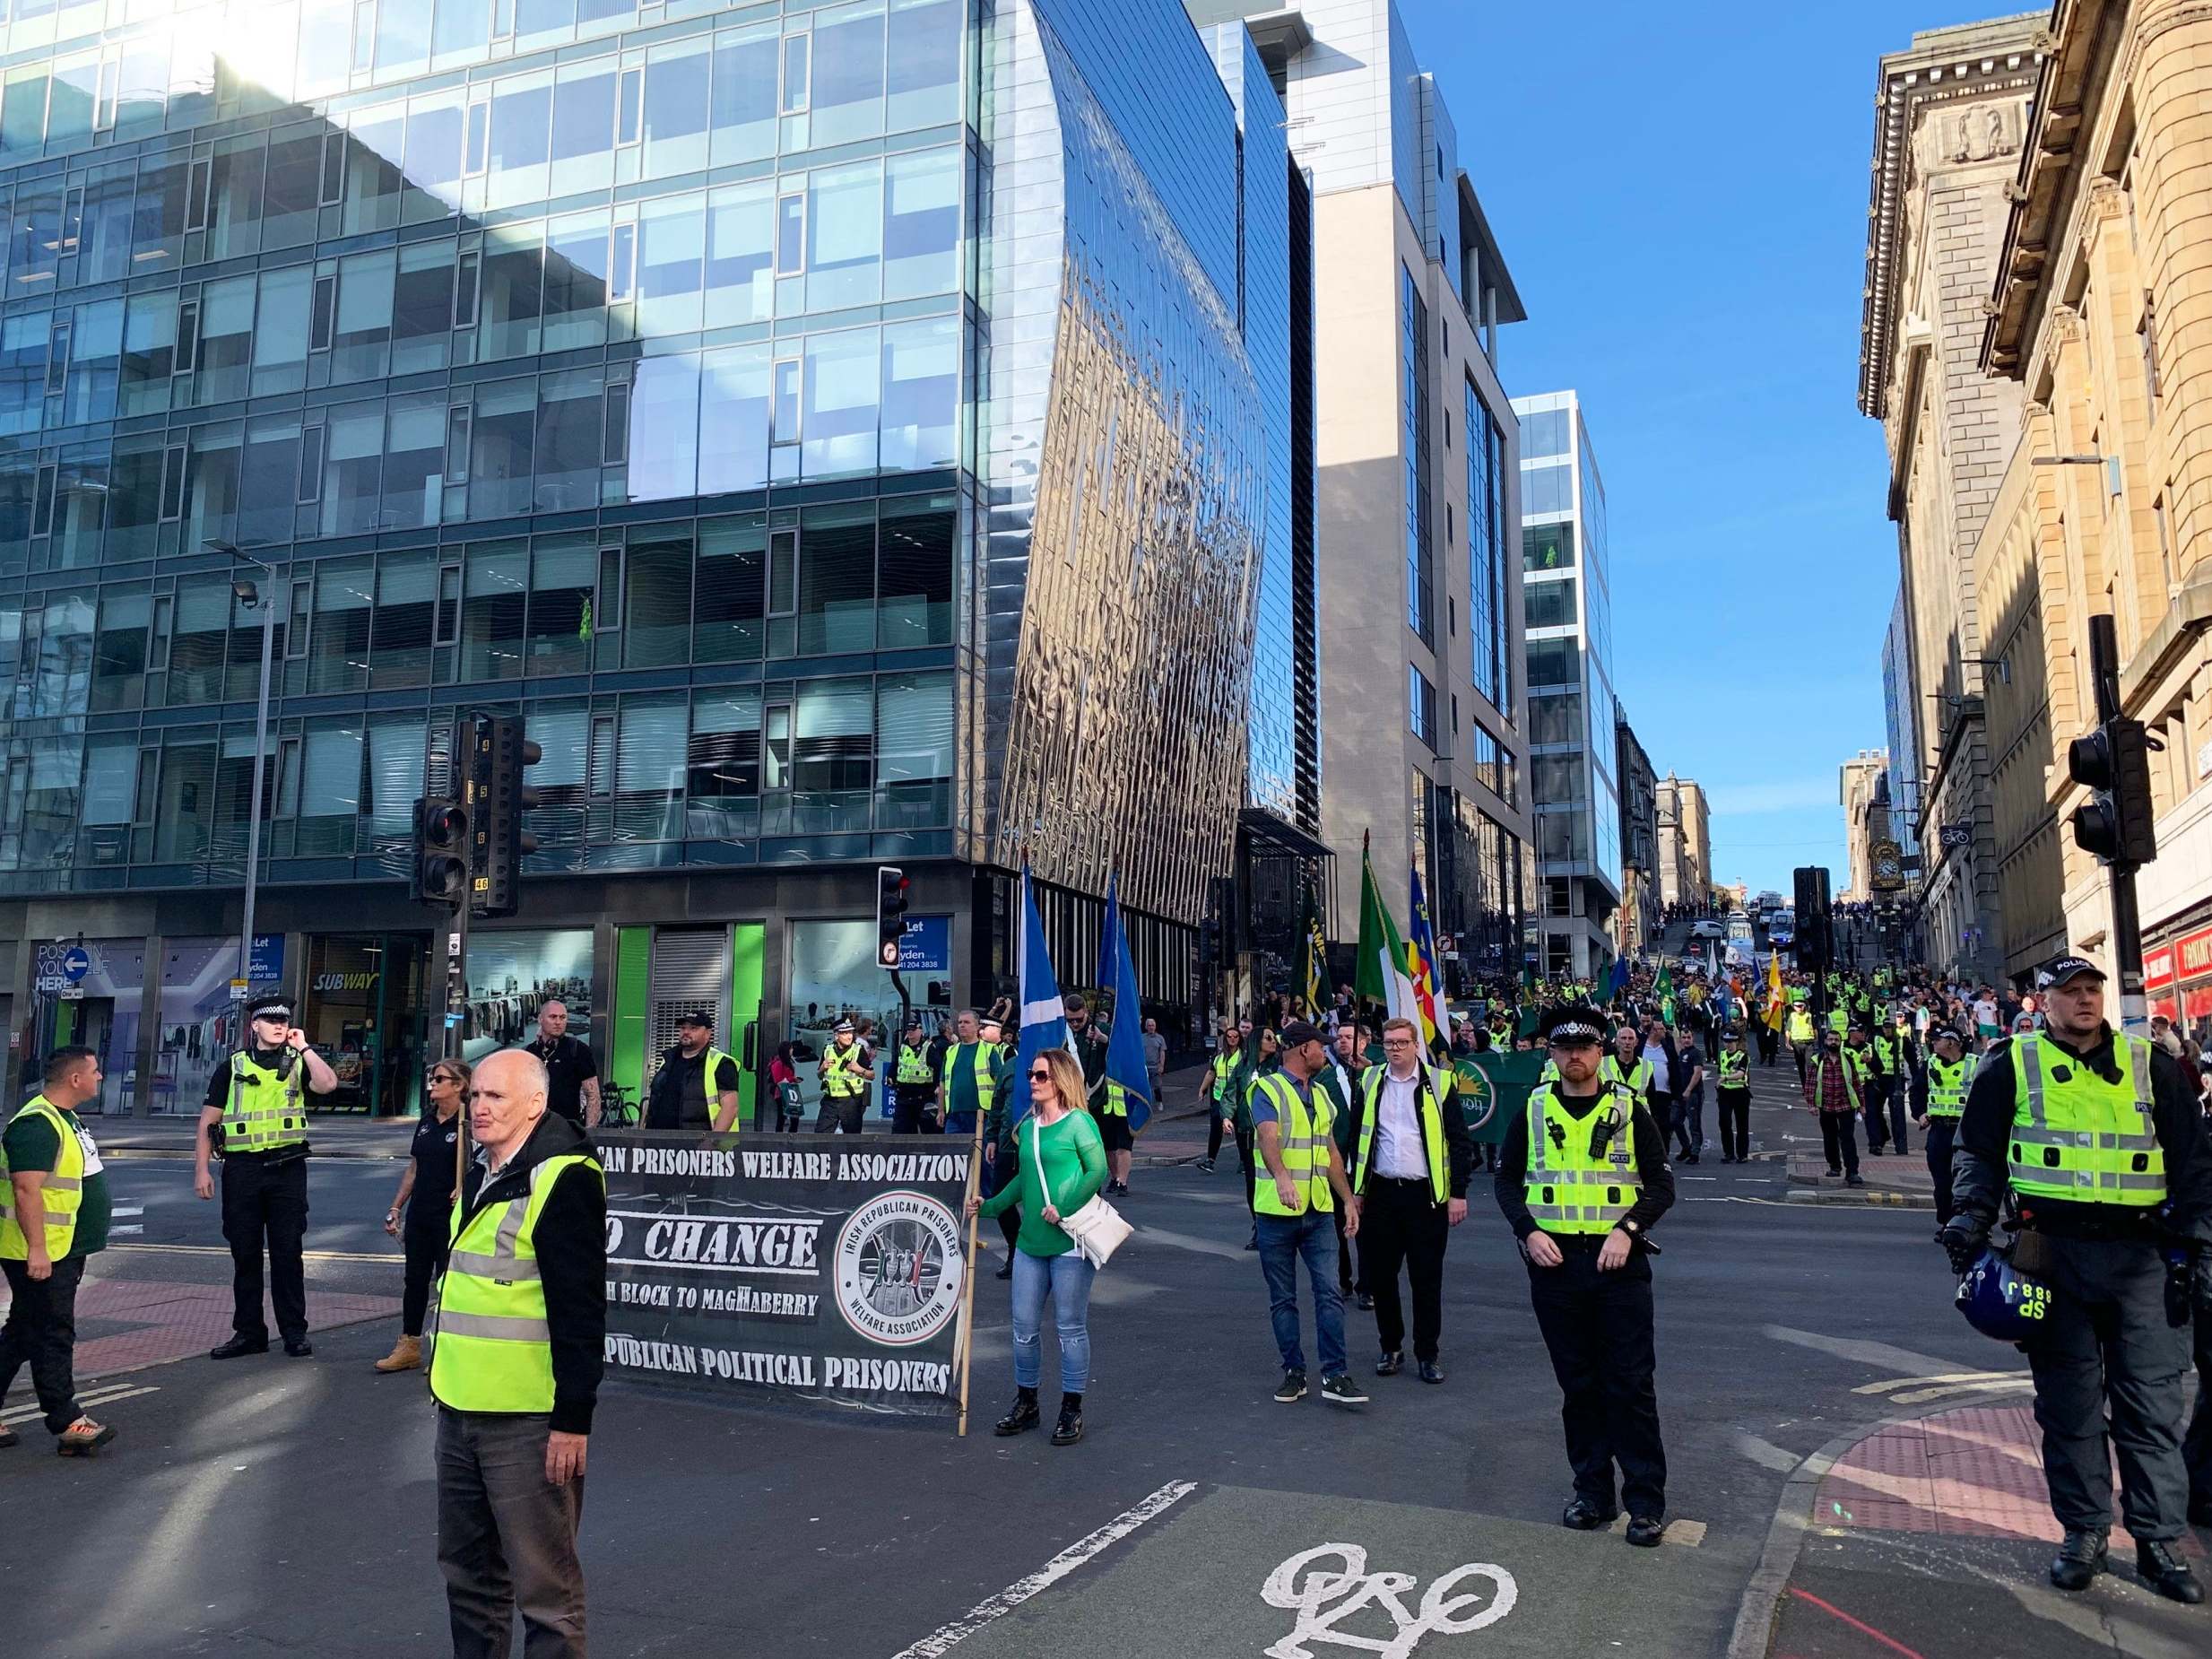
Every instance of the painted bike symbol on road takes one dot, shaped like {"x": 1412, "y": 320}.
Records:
{"x": 1329, "y": 1584}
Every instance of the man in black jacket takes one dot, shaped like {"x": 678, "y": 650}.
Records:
{"x": 515, "y": 1369}
{"x": 1410, "y": 1162}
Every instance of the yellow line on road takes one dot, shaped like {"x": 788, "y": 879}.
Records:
{"x": 308, "y": 1255}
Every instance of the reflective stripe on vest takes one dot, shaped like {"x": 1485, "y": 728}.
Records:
{"x": 1304, "y": 1150}
{"x": 2084, "y": 1139}
{"x": 1733, "y": 1069}
{"x": 1636, "y": 1079}
{"x": 845, "y": 1074}
{"x": 264, "y": 1110}
{"x": 1948, "y": 1086}
{"x": 61, "y": 1193}
{"x": 491, "y": 1348}
{"x": 1428, "y": 1110}
{"x": 914, "y": 1065}
{"x": 1569, "y": 1189}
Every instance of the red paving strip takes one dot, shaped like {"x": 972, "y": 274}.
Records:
{"x": 164, "y": 1320}
{"x": 1863, "y": 1629}
{"x": 1975, "y": 1473}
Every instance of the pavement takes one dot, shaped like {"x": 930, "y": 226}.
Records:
{"x": 1852, "y": 1470}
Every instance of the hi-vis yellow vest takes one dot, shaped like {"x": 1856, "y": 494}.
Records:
{"x": 1636, "y": 1079}
{"x": 1948, "y": 1086}
{"x": 2083, "y": 1139}
{"x": 1428, "y": 1109}
{"x": 845, "y": 1071}
{"x": 1304, "y": 1150}
{"x": 491, "y": 1349}
{"x": 62, "y": 1192}
{"x": 1800, "y": 1025}
{"x": 1570, "y": 1188}
{"x": 977, "y": 1057}
{"x": 263, "y": 1111}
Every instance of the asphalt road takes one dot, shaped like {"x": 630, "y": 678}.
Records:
{"x": 269, "y": 1503}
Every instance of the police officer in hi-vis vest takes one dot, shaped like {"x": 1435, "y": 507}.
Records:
{"x": 257, "y": 1098}
{"x": 845, "y": 1072}
{"x": 1950, "y": 1074}
{"x": 1582, "y": 1176}
{"x": 2097, "y": 1141}
{"x": 516, "y": 1352}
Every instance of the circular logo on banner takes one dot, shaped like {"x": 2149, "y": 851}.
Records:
{"x": 898, "y": 1267}
{"x": 1478, "y": 1095}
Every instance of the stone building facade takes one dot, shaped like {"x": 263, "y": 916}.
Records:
{"x": 1953, "y": 108}
{"x": 2101, "y": 314}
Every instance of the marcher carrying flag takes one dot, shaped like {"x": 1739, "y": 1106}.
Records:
{"x": 1379, "y": 975}
{"x": 1776, "y": 996}
{"x": 1663, "y": 989}
{"x": 1043, "y": 1016}
{"x": 1316, "y": 960}
{"x": 1421, "y": 964}
{"x": 1124, "y": 1062}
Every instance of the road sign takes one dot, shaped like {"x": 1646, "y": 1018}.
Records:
{"x": 72, "y": 993}
{"x": 76, "y": 962}
{"x": 1956, "y": 835}
{"x": 237, "y": 990}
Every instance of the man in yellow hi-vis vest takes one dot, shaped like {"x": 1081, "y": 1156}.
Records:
{"x": 1306, "y": 1180}
{"x": 1581, "y": 1177}
{"x": 515, "y": 1358}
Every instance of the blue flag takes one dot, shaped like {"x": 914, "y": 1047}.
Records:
{"x": 1043, "y": 1016}
{"x": 1124, "y": 1063}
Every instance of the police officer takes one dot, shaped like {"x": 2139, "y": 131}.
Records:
{"x": 1735, "y": 1096}
{"x": 2098, "y": 1140}
{"x": 695, "y": 1085}
{"x": 913, "y": 1085}
{"x": 1950, "y": 1074}
{"x": 256, "y": 1096}
{"x": 1582, "y": 1177}
{"x": 845, "y": 1074}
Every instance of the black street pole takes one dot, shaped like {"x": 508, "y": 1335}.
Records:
{"x": 2127, "y": 920}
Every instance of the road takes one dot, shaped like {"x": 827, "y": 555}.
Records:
{"x": 282, "y": 1504}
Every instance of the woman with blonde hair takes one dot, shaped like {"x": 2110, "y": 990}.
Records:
{"x": 1059, "y": 1167}
{"x": 425, "y": 1198}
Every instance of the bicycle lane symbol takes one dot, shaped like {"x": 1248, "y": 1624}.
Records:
{"x": 1325, "y": 1597}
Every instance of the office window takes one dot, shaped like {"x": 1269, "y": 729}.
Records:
{"x": 841, "y": 409}
{"x": 676, "y": 113}
{"x": 733, "y": 418}
{"x": 922, "y": 222}
{"x": 847, "y": 91}
{"x": 915, "y": 738}
{"x": 562, "y": 570}
{"x": 724, "y": 764}
{"x": 1420, "y": 706}
{"x": 743, "y": 98}
{"x": 494, "y": 604}
{"x": 570, "y": 439}
{"x": 672, "y": 247}
{"x": 583, "y": 142}
{"x": 923, "y": 56}
{"x": 837, "y": 579}
{"x": 519, "y": 147}
{"x": 1555, "y": 662}
{"x": 726, "y": 624}
{"x": 664, "y": 428}
{"x": 914, "y": 563}
{"x": 1548, "y": 547}
{"x": 651, "y": 751}
{"x": 1414, "y": 437}
{"x": 656, "y": 616}
{"x": 845, "y": 235}
{"x": 1549, "y": 604}
{"x": 406, "y": 614}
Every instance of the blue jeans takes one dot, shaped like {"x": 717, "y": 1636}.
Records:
{"x": 1283, "y": 1240}
{"x": 1068, "y": 1277}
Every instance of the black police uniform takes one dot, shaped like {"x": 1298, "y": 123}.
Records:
{"x": 265, "y": 1201}
{"x": 1598, "y": 1326}
{"x": 2105, "y": 1338}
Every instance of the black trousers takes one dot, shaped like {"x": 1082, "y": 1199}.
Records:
{"x": 1598, "y": 1327}
{"x": 1839, "y": 1138}
{"x": 1735, "y": 1115}
{"x": 919, "y": 1118}
{"x": 841, "y": 1113}
{"x": 41, "y": 1332}
{"x": 507, "y": 1538}
{"x": 1213, "y": 1137}
{"x": 2104, "y": 1346}
{"x": 1768, "y": 1040}
{"x": 425, "y": 1243}
{"x": 1798, "y": 1050}
{"x": 2197, "y": 1444}
{"x": 1401, "y": 1222}
{"x": 1689, "y": 1123}
{"x": 1940, "y": 1133}
{"x": 1250, "y": 1160}
{"x": 266, "y": 1202}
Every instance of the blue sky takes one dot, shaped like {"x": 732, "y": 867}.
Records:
{"x": 1681, "y": 192}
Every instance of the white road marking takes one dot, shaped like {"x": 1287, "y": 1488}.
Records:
{"x": 1442, "y": 1608}
{"x": 2000, "y": 1378}
{"x": 1187, "y": 1241}
{"x": 89, "y": 1398}
{"x": 946, "y": 1637}
{"x": 307, "y": 1255}
{"x": 1880, "y": 1354}
{"x": 1767, "y": 1453}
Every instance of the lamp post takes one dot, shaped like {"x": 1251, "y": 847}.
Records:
{"x": 265, "y": 598}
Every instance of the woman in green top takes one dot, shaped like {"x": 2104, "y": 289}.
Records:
{"x": 1073, "y": 1170}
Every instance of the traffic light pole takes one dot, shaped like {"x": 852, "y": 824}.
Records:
{"x": 2127, "y": 920}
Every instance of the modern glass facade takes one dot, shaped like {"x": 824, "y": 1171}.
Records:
{"x": 845, "y": 431}
{"x": 1573, "y": 748}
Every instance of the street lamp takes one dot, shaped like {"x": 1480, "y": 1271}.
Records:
{"x": 247, "y": 593}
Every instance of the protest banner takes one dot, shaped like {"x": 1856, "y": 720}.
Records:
{"x": 1493, "y": 1086}
{"x": 796, "y": 1269}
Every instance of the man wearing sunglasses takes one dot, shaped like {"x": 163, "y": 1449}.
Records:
{"x": 256, "y": 1098}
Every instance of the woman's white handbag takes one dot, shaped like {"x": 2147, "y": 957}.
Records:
{"x": 1098, "y": 1228}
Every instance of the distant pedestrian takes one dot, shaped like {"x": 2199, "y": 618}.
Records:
{"x": 1156, "y": 1061}
{"x": 1059, "y": 1167}
{"x": 516, "y": 1369}
{"x": 425, "y": 1200}
{"x": 571, "y": 1071}
{"x": 54, "y": 1217}
{"x": 783, "y": 1081}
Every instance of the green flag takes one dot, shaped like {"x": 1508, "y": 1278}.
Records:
{"x": 1379, "y": 977}
{"x": 1316, "y": 960}
{"x": 1493, "y": 1087}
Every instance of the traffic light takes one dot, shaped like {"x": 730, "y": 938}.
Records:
{"x": 891, "y": 913}
{"x": 501, "y": 754}
{"x": 437, "y": 874}
{"x": 2113, "y": 763}
{"x": 1814, "y": 942}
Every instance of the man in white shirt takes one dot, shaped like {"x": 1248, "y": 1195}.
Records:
{"x": 1412, "y": 1156}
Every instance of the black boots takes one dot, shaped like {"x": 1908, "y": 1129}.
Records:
{"x": 2080, "y": 1559}
{"x": 1069, "y": 1429}
{"x": 1023, "y": 1417}
{"x": 2167, "y": 1573}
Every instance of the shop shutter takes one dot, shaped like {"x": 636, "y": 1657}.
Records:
{"x": 691, "y": 970}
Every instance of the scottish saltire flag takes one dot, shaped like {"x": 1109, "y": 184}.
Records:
{"x": 1043, "y": 1016}
{"x": 1125, "y": 1065}
{"x": 1421, "y": 962}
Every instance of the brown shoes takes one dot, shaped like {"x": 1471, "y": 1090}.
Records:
{"x": 406, "y": 1355}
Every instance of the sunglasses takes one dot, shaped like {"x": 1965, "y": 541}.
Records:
{"x": 1040, "y": 1076}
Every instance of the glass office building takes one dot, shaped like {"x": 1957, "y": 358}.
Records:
{"x": 844, "y": 432}
{"x": 1573, "y": 746}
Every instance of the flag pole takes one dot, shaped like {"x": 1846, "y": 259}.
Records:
{"x": 968, "y": 1290}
